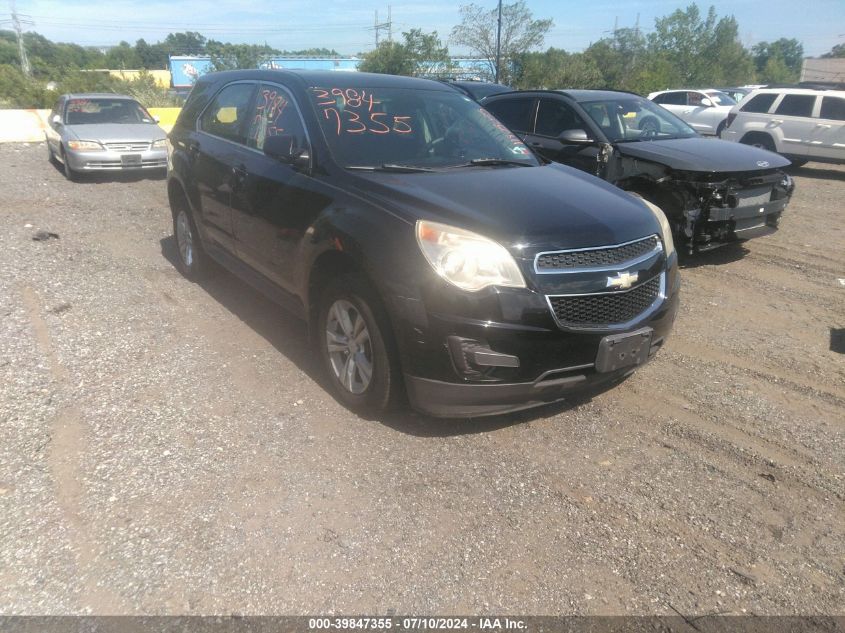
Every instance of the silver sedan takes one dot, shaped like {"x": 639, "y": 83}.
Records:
{"x": 104, "y": 132}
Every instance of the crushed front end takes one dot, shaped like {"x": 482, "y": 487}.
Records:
{"x": 709, "y": 210}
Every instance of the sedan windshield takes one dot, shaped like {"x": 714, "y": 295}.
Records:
{"x": 632, "y": 118}
{"x": 85, "y": 111}
{"x": 720, "y": 98}
{"x": 370, "y": 128}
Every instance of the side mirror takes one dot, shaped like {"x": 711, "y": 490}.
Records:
{"x": 56, "y": 120}
{"x": 284, "y": 149}
{"x": 575, "y": 136}
{"x": 707, "y": 102}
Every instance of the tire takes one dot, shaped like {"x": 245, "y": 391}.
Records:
{"x": 721, "y": 128}
{"x": 355, "y": 339}
{"x": 763, "y": 141}
{"x": 51, "y": 157}
{"x": 191, "y": 258}
{"x": 70, "y": 173}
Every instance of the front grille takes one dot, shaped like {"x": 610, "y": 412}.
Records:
{"x": 128, "y": 147}
{"x": 606, "y": 309}
{"x": 601, "y": 257}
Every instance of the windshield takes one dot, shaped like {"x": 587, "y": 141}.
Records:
{"x": 632, "y": 118}
{"x": 84, "y": 111}
{"x": 412, "y": 128}
{"x": 720, "y": 98}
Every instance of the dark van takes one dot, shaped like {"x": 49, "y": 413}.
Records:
{"x": 430, "y": 251}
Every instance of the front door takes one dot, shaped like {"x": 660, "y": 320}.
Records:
{"x": 274, "y": 203}
{"x": 555, "y": 117}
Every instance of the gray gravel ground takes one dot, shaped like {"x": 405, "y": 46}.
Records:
{"x": 167, "y": 448}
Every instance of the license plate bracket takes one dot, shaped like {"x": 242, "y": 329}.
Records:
{"x": 131, "y": 160}
{"x": 618, "y": 351}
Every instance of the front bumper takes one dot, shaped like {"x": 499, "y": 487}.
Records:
{"x": 553, "y": 362}
{"x": 108, "y": 160}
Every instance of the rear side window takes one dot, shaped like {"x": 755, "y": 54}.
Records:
{"x": 226, "y": 114}
{"x": 759, "y": 103}
{"x": 672, "y": 98}
{"x": 833, "y": 108}
{"x": 796, "y": 105}
{"x": 514, "y": 113}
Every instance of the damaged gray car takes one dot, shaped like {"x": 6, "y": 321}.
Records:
{"x": 713, "y": 192}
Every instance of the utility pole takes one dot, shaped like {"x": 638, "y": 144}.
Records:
{"x": 499, "y": 42}
{"x": 16, "y": 24}
{"x": 384, "y": 25}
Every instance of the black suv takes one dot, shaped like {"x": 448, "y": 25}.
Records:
{"x": 422, "y": 241}
{"x": 712, "y": 191}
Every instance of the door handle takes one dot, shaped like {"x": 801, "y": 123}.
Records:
{"x": 823, "y": 126}
{"x": 193, "y": 148}
{"x": 777, "y": 121}
{"x": 239, "y": 175}
{"x": 535, "y": 144}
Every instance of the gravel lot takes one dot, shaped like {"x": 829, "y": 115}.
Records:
{"x": 167, "y": 448}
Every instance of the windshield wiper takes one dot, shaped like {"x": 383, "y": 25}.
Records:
{"x": 390, "y": 167}
{"x": 496, "y": 161}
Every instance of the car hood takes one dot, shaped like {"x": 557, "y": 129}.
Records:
{"x": 115, "y": 132}
{"x": 523, "y": 208}
{"x": 703, "y": 154}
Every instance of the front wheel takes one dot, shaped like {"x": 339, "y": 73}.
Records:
{"x": 762, "y": 141}
{"x": 70, "y": 173}
{"x": 356, "y": 345}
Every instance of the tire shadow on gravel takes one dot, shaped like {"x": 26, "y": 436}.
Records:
{"x": 289, "y": 335}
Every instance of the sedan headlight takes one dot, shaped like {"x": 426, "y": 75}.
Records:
{"x": 160, "y": 143}
{"x": 665, "y": 227}
{"x": 85, "y": 146}
{"x": 465, "y": 259}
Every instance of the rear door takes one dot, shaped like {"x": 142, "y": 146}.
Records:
{"x": 273, "y": 203}
{"x": 793, "y": 118}
{"x": 216, "y": 151}
{"x": 829, "y": 130}
{"x": 675, "y": 101}
{"x": 517, "y": 113}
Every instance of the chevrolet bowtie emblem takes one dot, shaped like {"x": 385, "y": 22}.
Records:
{"x": 623, "y": 281}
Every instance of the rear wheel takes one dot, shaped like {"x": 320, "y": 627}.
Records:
{"x": 192, "y": 260}
{"x": 356, "y": 345}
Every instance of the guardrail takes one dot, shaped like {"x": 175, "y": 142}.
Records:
{"x": 27, "y": 126}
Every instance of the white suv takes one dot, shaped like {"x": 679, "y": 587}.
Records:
{"x": 800, "y": 123}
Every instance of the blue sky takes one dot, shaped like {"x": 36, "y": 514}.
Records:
{"x": 346, "y": 25}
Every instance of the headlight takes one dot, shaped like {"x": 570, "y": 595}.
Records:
{"x": 665, "y": 228}
{"x": 160, "y": 143}
{"x": 84, "y": 145}
{"x": 465, "y": 259}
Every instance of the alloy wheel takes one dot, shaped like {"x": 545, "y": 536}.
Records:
{"x": 185, "y": 238}
{"x": 349, "y": 346}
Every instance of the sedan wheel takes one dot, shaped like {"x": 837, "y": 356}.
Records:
{"x": 70, "y": 173}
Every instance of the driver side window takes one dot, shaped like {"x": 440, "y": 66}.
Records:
{"x": 553, "y": 117}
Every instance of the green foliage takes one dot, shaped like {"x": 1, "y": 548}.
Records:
{"x": 421, "y": 54}
{"x": 520, "y": 34}
{"x": 235, "y": 56}
{"x": 556, "y": 69}
{"x": 19, "y": 91}
{"x": 779, "y": 61}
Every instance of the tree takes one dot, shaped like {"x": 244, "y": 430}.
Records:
{"x": 781, "y": 59}
{"x": 836, "y": 51}
{"x": 620, "y": 58}
{"x": 703, "y": 51}
{"x": 558, "y": 69}
{"x": 520, "y": 33}
{"x": 234, "y": 56}
{"x": 421, "y": 54}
